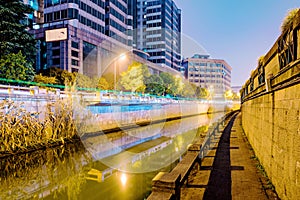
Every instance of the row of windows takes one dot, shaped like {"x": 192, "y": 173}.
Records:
{"x": 160, "y": 53}
{"x": 206, "y": 75}
{"x": 158, "y": 60}
{"x": 62, "y": 14}
{"x": 91, "y": 11}
{"x": 158, "y": 24}
{"x": 117, "y": 25}
{"x": 49, "y": 3}
{"x": 91, "y": 24}
{"x": 153, "y": 10}
{"x": 153, "y": 3}
{"x": 207, "y": 81}
{"x": 116, "y": 36}
{"x": 117, "y": 15}
{"x": 157, "y": 46}
{"x": 154, "y": 39}
{"x": 119, "y": 5}
{"x": 153, "y": 17}
{"x": 207, "y": 70}
{"x": 207, "y": 64}
{"x": 154, "y": 32}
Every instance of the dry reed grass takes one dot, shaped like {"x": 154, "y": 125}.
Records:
{"x": 22, "y": 131}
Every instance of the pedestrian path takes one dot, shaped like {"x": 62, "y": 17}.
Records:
{"x": 229, "y": 170}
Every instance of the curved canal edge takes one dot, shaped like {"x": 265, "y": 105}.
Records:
{"x": 167, "y": 185}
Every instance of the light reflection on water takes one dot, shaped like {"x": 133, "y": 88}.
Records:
{"x": 82, "y": 172}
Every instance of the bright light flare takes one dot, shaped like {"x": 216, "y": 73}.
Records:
{"x": 123, "y": 179}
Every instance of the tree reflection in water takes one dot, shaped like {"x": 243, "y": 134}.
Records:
{"x": 40, "y": 173}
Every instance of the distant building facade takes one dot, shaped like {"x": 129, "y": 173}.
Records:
{"x": 37, "y": 17}
{"x": 85, "y": 36}
{"x": 213, "y": 74}
{"x": 82, "y": 35}
{"x": 157, "y": 30}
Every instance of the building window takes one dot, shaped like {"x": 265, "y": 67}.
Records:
{"x": 57, "y": 15}
{"x": 56, "y": 61}
{"x": 75, "y": 62}
{"x": 56, "y": 52}
{"x": 75, "y": 45}
{"x": 74, "y": 54}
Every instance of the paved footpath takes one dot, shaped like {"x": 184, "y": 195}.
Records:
{"x": 229, "y": 170}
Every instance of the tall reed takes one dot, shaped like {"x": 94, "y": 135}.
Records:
{"x": 21, "y": 130}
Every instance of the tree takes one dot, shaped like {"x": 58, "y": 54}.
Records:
{"x": 169, "y": 82}
{"x": 14, "y": 35}
{"x": 202, "y": 92}
{"x": 39, "y": 78}
{"x": 188, "y": 89}
{"x": 14, "y": 66}
{"x": 84, "y": 81}
{"x": 63, "y": 77}
{"x": 102, "y": 84}
{"x": 155, "y": 85}
{"x": 134, "y": 78}
{"x": 109, "y": 77}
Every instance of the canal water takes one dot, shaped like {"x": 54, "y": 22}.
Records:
{"x": 118, "y": 165}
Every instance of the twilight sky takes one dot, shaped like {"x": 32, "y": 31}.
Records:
{"x": 238, "y": 31}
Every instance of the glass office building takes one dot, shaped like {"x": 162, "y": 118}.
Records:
{"x": 157, "y": 29}
{"x": 80, "y": 35}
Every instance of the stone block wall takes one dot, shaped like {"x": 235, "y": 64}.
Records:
{"x": 272, "y": 125}
{"x": 270, "y": 112}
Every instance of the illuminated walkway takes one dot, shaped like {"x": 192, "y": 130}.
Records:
{"x": 229, "y": 171}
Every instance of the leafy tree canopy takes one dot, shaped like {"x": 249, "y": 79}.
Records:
{"x": 169, "y": 82}
{"x": 134, "y": 78}
{"x": 102, "y": 84}
{"x": 14, "y": 35}
{"x": 14, "y": 66}
{"x": 39, "y": 78}
{"x": 62, "y": 77}
{"x": 154, "y": 85}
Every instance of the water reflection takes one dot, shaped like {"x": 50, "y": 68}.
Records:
{"x": 38, "y": 174}
{"x": 119, "y": 165}
{"x": 136, "y": 150}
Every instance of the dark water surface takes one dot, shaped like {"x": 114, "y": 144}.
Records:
{"x": 118, "y": 165}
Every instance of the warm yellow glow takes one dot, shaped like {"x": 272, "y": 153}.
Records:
{"x": 122, "y": 56}
{"x": 123, "y": 179}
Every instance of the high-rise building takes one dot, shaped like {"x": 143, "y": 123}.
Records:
{"x": 80, "y": 35}
{"x": 157, "y": 31}
{"x": 37, "y": 17}
{"x": 212, "y": 74}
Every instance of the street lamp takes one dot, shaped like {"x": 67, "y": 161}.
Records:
{"x": 122, "y": 57}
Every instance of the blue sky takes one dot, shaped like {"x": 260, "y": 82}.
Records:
{"x": 238, "y": 31}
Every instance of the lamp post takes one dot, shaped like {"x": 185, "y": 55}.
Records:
{"x": 121, "y": 56}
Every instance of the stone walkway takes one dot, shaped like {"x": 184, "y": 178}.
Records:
{"x": 229, "y": 170}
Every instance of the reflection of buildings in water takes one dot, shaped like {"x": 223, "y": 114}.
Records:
{"x": 168, "y": 133}
{"x": 40, "y": 173}
{"x": 106, "y": 145}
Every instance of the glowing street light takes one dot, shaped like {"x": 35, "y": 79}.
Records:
{"x": 120, "y": 57}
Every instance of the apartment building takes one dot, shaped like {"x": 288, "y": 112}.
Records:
{"x": 212, "y": 74}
